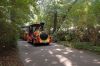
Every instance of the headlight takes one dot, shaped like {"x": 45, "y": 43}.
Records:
{"x": 43, "y": 36}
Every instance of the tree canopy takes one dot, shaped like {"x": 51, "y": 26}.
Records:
{"x": 58, "y": 15}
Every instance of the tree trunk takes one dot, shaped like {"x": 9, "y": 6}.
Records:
{"x": 12, "y": 11}
{"x": 55, "y": 22}
{"x": 92, "y": 35}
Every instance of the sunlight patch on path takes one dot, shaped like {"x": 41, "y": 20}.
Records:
{"x": 59, "y": 49}
{"x": 96, "y": 61}
{"x": 64, "y": 60}
{"x": 28, "y": 60}
{"x": 50, "y": 52}
{"x": 54, "y": 62}
{"x": 26, "y": 53}
{"x": 69, "y": 49}
{"x": 46, "y": 60}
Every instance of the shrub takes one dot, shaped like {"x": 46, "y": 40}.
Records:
{"x": 59, "y": 36}
{"x": 8, "y": 36}
{"x": 86, "y": 46}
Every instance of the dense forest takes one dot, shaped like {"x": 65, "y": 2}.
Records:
{"x": 65, "y": 20}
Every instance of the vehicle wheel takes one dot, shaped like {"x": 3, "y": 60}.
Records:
{"x": 47, "y": 44}
{"x": 33, "y": 41}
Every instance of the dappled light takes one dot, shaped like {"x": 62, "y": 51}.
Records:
{"x": 58, "y": 49}
{"x": 26, "y": 45}
{"x": 81, "y": 51}
{"x": 69, "y": 50}
{"x": 50, "y": 52}
{"x": 49, "y": 32}
{"x": 28, "y": 60}
{"x": 64, "y": 60}
{"x": 57, "y": 55}
{"x": 96, "y": 61}
{"x": 54, "y": 62}
{"x": 65, "y": 52}
{"x": 26, "y": 53}
{"x": 46, "y": 60}
{"x": 42, "y": 49}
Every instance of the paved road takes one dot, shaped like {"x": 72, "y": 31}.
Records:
{"x": 55, "y": 55}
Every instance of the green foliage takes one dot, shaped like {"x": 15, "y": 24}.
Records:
{"x": 61, "y": 36}
{"x": 70, "y": 37}
{"x": 86, "y": 46}
{"x": 81, "y": 14}
{"x": 8, "y": 36}
{"x": 81, "y": 46}
{"x": 13, "y": 14}
{"x": 65, "y": 36}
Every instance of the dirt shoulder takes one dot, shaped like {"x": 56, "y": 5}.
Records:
{"x": 10, "y": 58}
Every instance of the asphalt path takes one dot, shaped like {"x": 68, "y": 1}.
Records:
{"x": 55, "y": 55}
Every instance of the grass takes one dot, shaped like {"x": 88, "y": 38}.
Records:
{"x": 82, "y": 46}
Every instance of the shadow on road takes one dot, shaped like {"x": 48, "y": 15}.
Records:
{"x": 40, "y": 45}
{"x": 55, "y": 55}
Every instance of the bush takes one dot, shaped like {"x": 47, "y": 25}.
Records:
{"x": 71, "y": 36}
{"x": 59, "y": 36}
{"x": 8, "y": 36}
{"x": 65, "y": 36}
{"x": 86, "y": 46}
{"x": 81, "y": 46}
